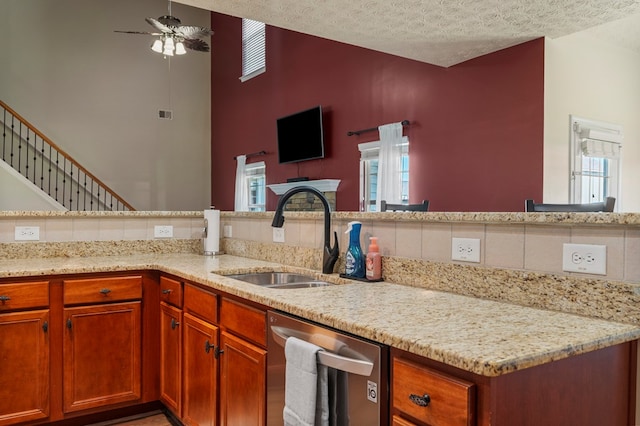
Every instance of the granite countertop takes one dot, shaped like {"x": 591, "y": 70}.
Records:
{"x": 485, "y": 337}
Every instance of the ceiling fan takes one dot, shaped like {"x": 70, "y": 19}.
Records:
{"x": 173, "y": 37}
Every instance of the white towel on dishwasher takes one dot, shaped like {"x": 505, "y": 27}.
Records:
{"x": 306, "y": 395}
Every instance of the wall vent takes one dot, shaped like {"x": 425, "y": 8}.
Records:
{"x": 165, "y": 114}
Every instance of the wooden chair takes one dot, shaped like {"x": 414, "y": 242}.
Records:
{"x": 422, "y": 207}
{"x": 604, "y": 206}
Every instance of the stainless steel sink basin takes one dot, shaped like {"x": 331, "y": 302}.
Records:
{"x": 280, "y": 280}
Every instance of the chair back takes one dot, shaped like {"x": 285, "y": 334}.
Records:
{"x": 422, "y": 207}
{"x": 602, "y": 206}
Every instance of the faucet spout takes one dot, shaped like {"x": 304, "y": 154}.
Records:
{"x": 329, "y": 253}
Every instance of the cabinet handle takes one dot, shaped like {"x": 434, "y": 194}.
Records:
{"x": 4, "y": 298}
{"x": 208, "y": 346}
{"x": 69, "y": 323}
{"x": 217, "y": 352}
{"x": 422, "y": 401}
{"x": 105, "y": 291}
{"x": 45, "y": 326}
{"x": 174, "y": 323}
{"x": 166, "y": 291}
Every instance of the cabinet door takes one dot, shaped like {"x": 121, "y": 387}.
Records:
{"x": 242, "y": 382}
{"x": 101, "y": 355}
{"x": 171, "y": 357}
{"x": 200, "y": 374}
{"x": 24, "y": 359}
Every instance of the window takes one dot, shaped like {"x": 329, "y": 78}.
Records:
{"x": 595, "y": 160}
{"x": 369, "y": 174}
{"x": 253, "y": 49}
{"x": 256, "y": 182}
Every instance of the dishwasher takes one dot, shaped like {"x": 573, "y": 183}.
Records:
{"x": 363, "y": 364}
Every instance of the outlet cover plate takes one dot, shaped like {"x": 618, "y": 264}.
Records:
{"x": 227, "y": 231}
{"x": 278, "y": 235}
{"x": 585, "y": 258}
{"x": 163, "y": 231}
{"x": 27, "y": 233}
{"x": 465, "y": 249}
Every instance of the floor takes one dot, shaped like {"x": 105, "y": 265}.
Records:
{"x": 155, "y": 419}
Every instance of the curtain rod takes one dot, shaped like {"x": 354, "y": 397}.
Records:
{"x": 253, "y": 154}
{"x": 358, "y": 132}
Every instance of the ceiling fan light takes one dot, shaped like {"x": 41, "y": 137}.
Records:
{"x": 180, "y": 50}
{"x": 168, "y": 44}
{"x": 157, "y": 46}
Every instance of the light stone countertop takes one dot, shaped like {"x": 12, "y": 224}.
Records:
{"x": 485, "y": 337}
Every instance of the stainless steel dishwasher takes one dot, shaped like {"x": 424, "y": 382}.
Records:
{"x": 364, "y": 365}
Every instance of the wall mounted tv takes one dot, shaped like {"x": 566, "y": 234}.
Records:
{"x": 300, "y": 136}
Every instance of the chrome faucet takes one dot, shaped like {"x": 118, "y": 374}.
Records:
{"x": 329, "y": 254}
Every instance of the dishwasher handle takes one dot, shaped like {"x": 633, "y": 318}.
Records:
{"x": 326, "y": 358}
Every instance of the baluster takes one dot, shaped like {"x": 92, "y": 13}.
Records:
{"x": 42, "y": 157}
{"x": 64, "y": 180}
{"x": 13, "y": 133}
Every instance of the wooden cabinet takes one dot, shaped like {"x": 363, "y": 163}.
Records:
{"x": 171, "y": 344}
{"x": 200, "y": 373}
{"x": 430, "y": 397}
{"x": 242, "y": 382}
{"x": 102, "y": 342}
{"x": 242, "y": 364}
{"x": 24, "y": 352}
{"x": 200, "y": 357}
{"x": 591, "y": 389}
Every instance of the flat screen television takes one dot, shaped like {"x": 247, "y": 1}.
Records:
{"x": 300, "y": 136}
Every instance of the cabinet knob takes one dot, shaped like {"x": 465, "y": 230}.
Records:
{"x": 166, "y": 291}
{"x": 4, "y": 298}
{"x": 45, "y": 326}
{"x": 69, "y": 323}
{"x": 422, "y": 401}
{"x": 105, "y": 291}
{"x": 174, "y": 323}
{"x": 208, "y": 346}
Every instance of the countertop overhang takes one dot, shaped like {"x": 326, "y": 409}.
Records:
{"x": 484, "y": 337}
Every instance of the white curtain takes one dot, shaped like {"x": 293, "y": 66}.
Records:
{"x": 389, "y": 164}
{"x": 242, "y": 191}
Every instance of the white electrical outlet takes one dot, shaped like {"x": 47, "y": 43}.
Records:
{"x": 278, "y": 235}
{"x": 27, "y": 233}
{"x": 163, "y": 231}
{"x": 585, "y": 258}
{"x": 227, "y": 231}
{"x": 465, "y": 249}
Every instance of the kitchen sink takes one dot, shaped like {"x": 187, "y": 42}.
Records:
{"x": 280, "y": 280}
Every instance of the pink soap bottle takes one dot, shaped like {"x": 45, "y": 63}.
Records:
{"x": 373, "y": 261}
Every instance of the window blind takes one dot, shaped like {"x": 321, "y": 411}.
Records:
{"x": 253, "y": 48}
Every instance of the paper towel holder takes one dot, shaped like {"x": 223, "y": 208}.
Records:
{"x": 205, "y": 232}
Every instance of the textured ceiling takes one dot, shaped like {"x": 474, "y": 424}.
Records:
{"x": 440, "y": 32}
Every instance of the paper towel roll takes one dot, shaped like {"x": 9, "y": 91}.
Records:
{"x": 212, "y": 239}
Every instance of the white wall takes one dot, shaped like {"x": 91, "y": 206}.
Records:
{"x": 595, "y": 80}
{"x": 96, "y": 94}
{"x": 19, "y": 194}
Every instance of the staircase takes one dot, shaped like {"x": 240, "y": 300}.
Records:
{"x": 43, "y": 163}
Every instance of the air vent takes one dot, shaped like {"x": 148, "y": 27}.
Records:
{"x": 165, "y": 114}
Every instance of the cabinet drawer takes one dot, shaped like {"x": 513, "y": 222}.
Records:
{"x": 451, "y": 400}
{"x": 171, "y": 291}
{"x": 102, "y": 290}
{"x": 24, "y": 296}
{"x": 244, "y": 320}
{"x": 201, "y": 303}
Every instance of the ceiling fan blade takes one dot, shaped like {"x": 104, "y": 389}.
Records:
{"x": 137, "y": 32}
{"x": 158, "y": 25}
{"x": 196, "y": 44}
{"x": 192, "y": 32}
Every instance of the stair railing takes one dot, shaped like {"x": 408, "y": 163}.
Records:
{"x": 55, "y": 172}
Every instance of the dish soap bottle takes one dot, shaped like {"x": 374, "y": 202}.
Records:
{"x": 354, "y": 258}
{"x": 374, "y": 260}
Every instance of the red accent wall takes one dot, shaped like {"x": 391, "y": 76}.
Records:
{"x": 476, "y": 133}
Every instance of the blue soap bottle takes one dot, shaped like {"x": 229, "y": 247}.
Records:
{"x": 355, "y": 266}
